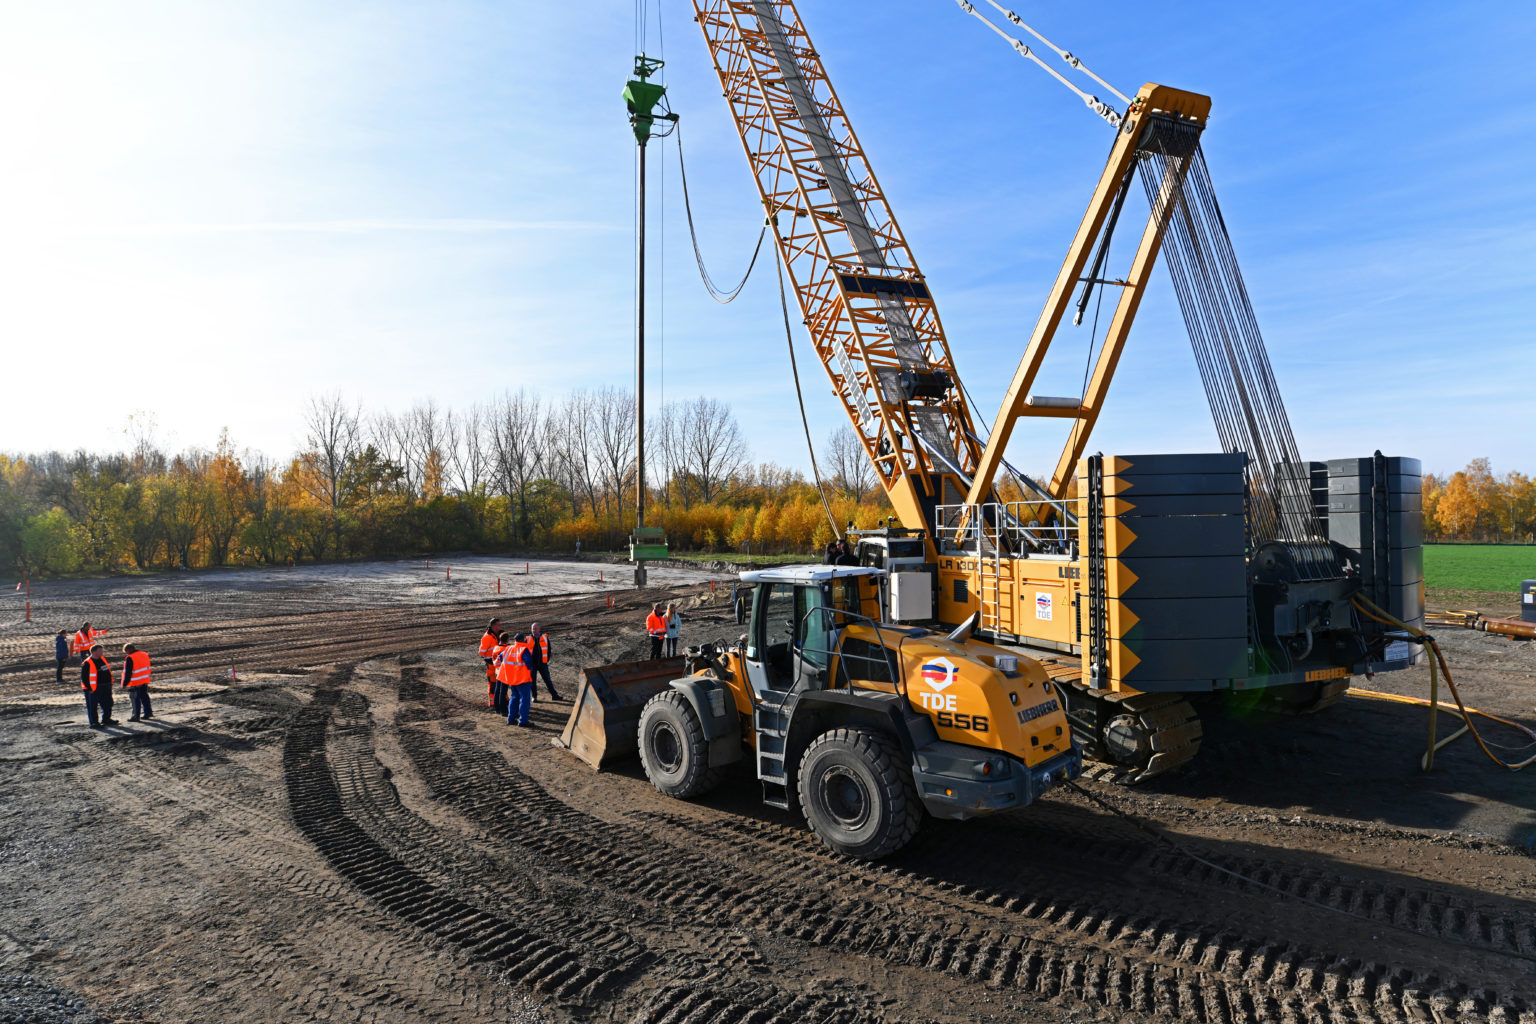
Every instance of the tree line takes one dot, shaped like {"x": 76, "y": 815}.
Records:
{"x": 517, "y": 473}
{"x": 1473, "y": 504}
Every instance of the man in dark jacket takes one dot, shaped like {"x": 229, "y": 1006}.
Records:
{"x": 538, "y": 646}
{"x": 96, "y": 681}
{"x": 60, "y": 656}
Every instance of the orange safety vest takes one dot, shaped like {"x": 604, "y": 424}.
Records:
{"x": 81, "y": 642}
{"x": 488, "y": 645}
{"x": 656, "y": 625}
{"x": 139, "y": 662}
{"x": 90, "y": 682}
{"x": 543, "y": 647}
{"x": 509, "y": 665}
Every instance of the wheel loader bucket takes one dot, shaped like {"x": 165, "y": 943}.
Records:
{"x": 605, "y": 720}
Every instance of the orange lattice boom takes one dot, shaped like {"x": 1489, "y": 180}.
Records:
{"x": 866, "y": 304}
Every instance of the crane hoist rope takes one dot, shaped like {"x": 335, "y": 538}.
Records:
{"x": 720, "y": 295}
{"x": 789, "y": 341}
{"x": 1024, "y": 50}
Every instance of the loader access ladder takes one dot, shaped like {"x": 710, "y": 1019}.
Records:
{"x": 770, "y": 721}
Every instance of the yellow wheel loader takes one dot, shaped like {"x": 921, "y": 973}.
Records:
{"x": 863, "y": 723}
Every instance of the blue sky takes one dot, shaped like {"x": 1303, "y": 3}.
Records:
{"x": 211, "y": 210}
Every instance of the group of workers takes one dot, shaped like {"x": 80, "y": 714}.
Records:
{"x": 513, "y": 664}
{"x": 96, "y": 675}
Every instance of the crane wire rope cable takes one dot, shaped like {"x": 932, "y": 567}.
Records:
{"x": 789, "y": 340}
{"x": 1091, "y": 101}
{"x": 1073, "y": 62}
{"x": 1229, "y": 350}
{"x": 720, "y": 295}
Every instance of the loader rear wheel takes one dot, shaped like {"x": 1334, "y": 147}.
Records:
{"x": 857, "y": 793}
{"x": 673, "y": 750}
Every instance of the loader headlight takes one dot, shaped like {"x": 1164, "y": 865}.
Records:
{"x": 993, "y": 767}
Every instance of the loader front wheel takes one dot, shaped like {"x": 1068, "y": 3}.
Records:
{"x": 857, "y": 793}
{"x": 673, "y": 750}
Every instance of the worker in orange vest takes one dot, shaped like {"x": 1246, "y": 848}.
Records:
{"x": 84, "y": 637}
{"x": 488, "y": 644}
{"x": 538, "y": 643}
{"x": 136, "y": 681}
{"x": 517, "y": 673}
{"x": 656, "y": 629}
{"x": 96, "y": 682}
{"x": 498, "y": 674}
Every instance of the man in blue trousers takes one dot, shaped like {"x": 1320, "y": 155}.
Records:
{"x": 517, "y": 671}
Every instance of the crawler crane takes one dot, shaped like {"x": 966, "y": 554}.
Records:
{"x": 1141, "y": 583}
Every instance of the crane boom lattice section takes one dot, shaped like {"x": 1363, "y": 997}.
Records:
{"x": 866, "y": 305}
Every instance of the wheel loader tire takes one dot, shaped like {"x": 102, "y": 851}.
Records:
{"x": 858, "y": 794}
{"x": 673, "y": 749}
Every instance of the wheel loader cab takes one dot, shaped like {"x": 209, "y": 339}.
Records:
{"x": 793, "y": 633}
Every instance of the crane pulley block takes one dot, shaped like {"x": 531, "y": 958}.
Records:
{"x": 930, "y": 385}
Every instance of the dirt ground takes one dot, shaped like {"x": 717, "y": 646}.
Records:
{"x": 344, "y": 832}
{"x": 231, "y": 593}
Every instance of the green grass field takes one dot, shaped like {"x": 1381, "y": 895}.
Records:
{"x": 1487, "y": 567}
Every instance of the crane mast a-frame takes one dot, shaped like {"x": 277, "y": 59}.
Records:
{"x": 868, "y": 309}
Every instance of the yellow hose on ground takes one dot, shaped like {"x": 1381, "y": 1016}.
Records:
{"x": 1372, "y": 611}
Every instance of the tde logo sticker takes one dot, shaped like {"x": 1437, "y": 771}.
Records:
{"x": 1043, "y": 606}
{"x": 939, "y": 673}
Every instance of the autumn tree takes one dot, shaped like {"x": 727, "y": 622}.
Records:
{"x": 225, "y": 493}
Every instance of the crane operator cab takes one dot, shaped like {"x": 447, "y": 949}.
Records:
{"x": 865, "y": 726}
